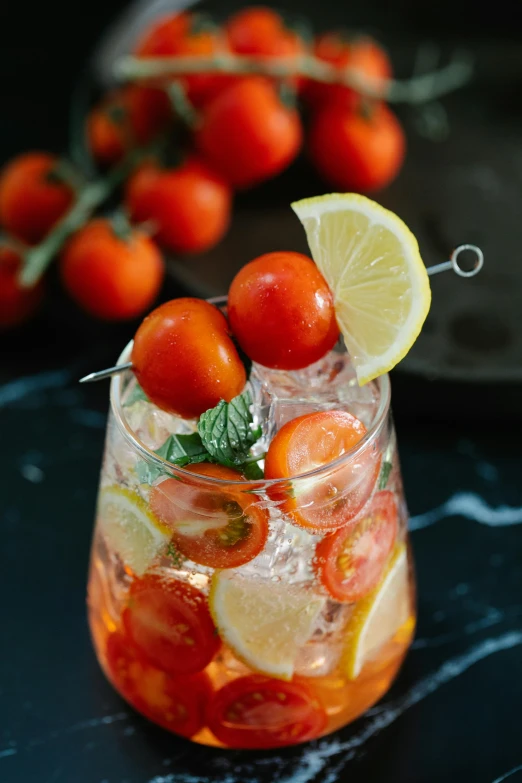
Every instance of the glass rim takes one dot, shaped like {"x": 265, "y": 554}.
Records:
{"x": 170, "y": 469}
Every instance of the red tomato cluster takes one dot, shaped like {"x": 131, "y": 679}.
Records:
{"x": 242, "y": 130}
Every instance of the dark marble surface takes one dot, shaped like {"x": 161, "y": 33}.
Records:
{"x": 455, "y": 711}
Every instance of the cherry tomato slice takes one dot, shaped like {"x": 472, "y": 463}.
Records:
{"x": 176, "y": 704}
{"x": 219, "y": 528}
{"x": 169, "y": 623}
{"x": 331, "y": 500}
{"x": 257, "y": 712}
{"x": 351, "y": 561}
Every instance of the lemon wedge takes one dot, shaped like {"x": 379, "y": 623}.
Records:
{"x": 371, "y": 261}
{"x": 378, "y": 617}
{"x": 265, "y": 624}
{"x": 129, "y": 528}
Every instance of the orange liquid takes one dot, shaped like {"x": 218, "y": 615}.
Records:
{"x": 343, "y": 700}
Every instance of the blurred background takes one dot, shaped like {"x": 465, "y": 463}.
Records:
{"x": 460, "y": 181}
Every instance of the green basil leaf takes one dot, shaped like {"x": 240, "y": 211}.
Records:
{"x": 385, "y": 474}
{"x": 136, "y": 395}
{"x": 226, "y": 430}
{"x": 252, "y": 470}
{"x": 183, "y": 450}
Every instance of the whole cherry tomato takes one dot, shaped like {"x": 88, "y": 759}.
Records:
{"x": 262, "y": 33}
{"x": 33, "y": 195}
{"x": 187, "y": 35}
{"x": 219, "y": 528}
{"x": 189, "y": 206}
{"x": 125, "y": 119}
{"x": 281, "y": 311}
{"x": 361, "y": 55}
{"x": 175, "y": 703}
{"x": 112, "y": 276}
{"x": 247, "y": 133}
{"x": 17, "y": 304}
{"x": 357, "y": 150}
{"x": 351, "y": 561}
{"x": 315, "y": 440}
{"x": 258, "y": 712}
{"x": 169, "y": 624}
{"x": 184, "y": 358}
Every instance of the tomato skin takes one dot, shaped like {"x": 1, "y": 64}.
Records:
{"x": 307, "y": 442}
{"x": 184, "y": 358}
{"x": 362, "y": 55}
{"x": 237, "y": 715}
{"x": 109, "y": 277}
{"x": 169, "y": 624}
{"x": 189, "y": 205}
{"x": 355, "y": 152}
{"x": 247, "y": 134}
{"x": 261, "y": 32}
{"x": 281, "y": 311}
{"x": 17, "y": 304}
{"x": 373, "y": 534}
{"x": 180, "y": 34}
{"x": 175, "y": 703}
{"x": 31, "y": 202}
{"x": 125, "y": 119}
{"x": 173, "y": 502}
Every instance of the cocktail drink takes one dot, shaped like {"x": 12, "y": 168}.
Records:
{"x": 251, "y": 582}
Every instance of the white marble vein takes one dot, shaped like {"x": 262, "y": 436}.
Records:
{"x": 507, "y": 775}
{"x": 314, "y": 758}
{"x": 471, "y": 506}
{"x": 14, "y": 391}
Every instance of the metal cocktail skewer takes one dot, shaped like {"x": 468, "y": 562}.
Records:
{"x": 431, "y": 270}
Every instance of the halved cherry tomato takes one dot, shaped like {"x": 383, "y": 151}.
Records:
{"x": 184, "y": 357}
{"x": 169, "y": 623}
{"x": 219, "y": 527}
{"x": 175, "y": 703}
{"x": 257, "y": 712}
{"x": 351, "y": 561}
{"x": 281, "y": 311}
{"x": 332, "y": 499}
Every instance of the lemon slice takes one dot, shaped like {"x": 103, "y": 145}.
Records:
{"x": 129, "y": 528}
{"x": 378, "y": 617}
{"x": 265, "y": 624}
{"x": 371, "y": 262}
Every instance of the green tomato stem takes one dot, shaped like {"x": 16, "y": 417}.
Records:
{"x": 417, "y": 89}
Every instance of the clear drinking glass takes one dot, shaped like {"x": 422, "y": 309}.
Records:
{"x": 293, "y": 643}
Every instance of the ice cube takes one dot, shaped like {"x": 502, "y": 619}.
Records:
{"x": 152, "y": 425}
{"x": 321, "y": 654}
{"x": 287, "y": 555}
{"x": 329, "y": 384}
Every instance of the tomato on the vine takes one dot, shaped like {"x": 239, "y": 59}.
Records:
{"x": 310, "y": 442}
{"x": 362, "y": 150}
{"x": 281, "y": 311}
{"x": 219, "y": 527}
{"x": 125, "y": 119}
{"x": 351, "y": 561}
{"x": 169, "y": 624}
{"x": 184, "y": 358}
{"x": 109, "y": 275}
{"x": 258, "y": 712}
{"x": 247, "y": 133}
{"x": 17, "y": 304}
{"x": 188, "y": 206}
{"x": 175, "y": 703}
{"x": 187, "y": 35}
{"x": 361, "y": 55}
{"x": 262, "y": 33}
{"x": 33, "y": 195}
